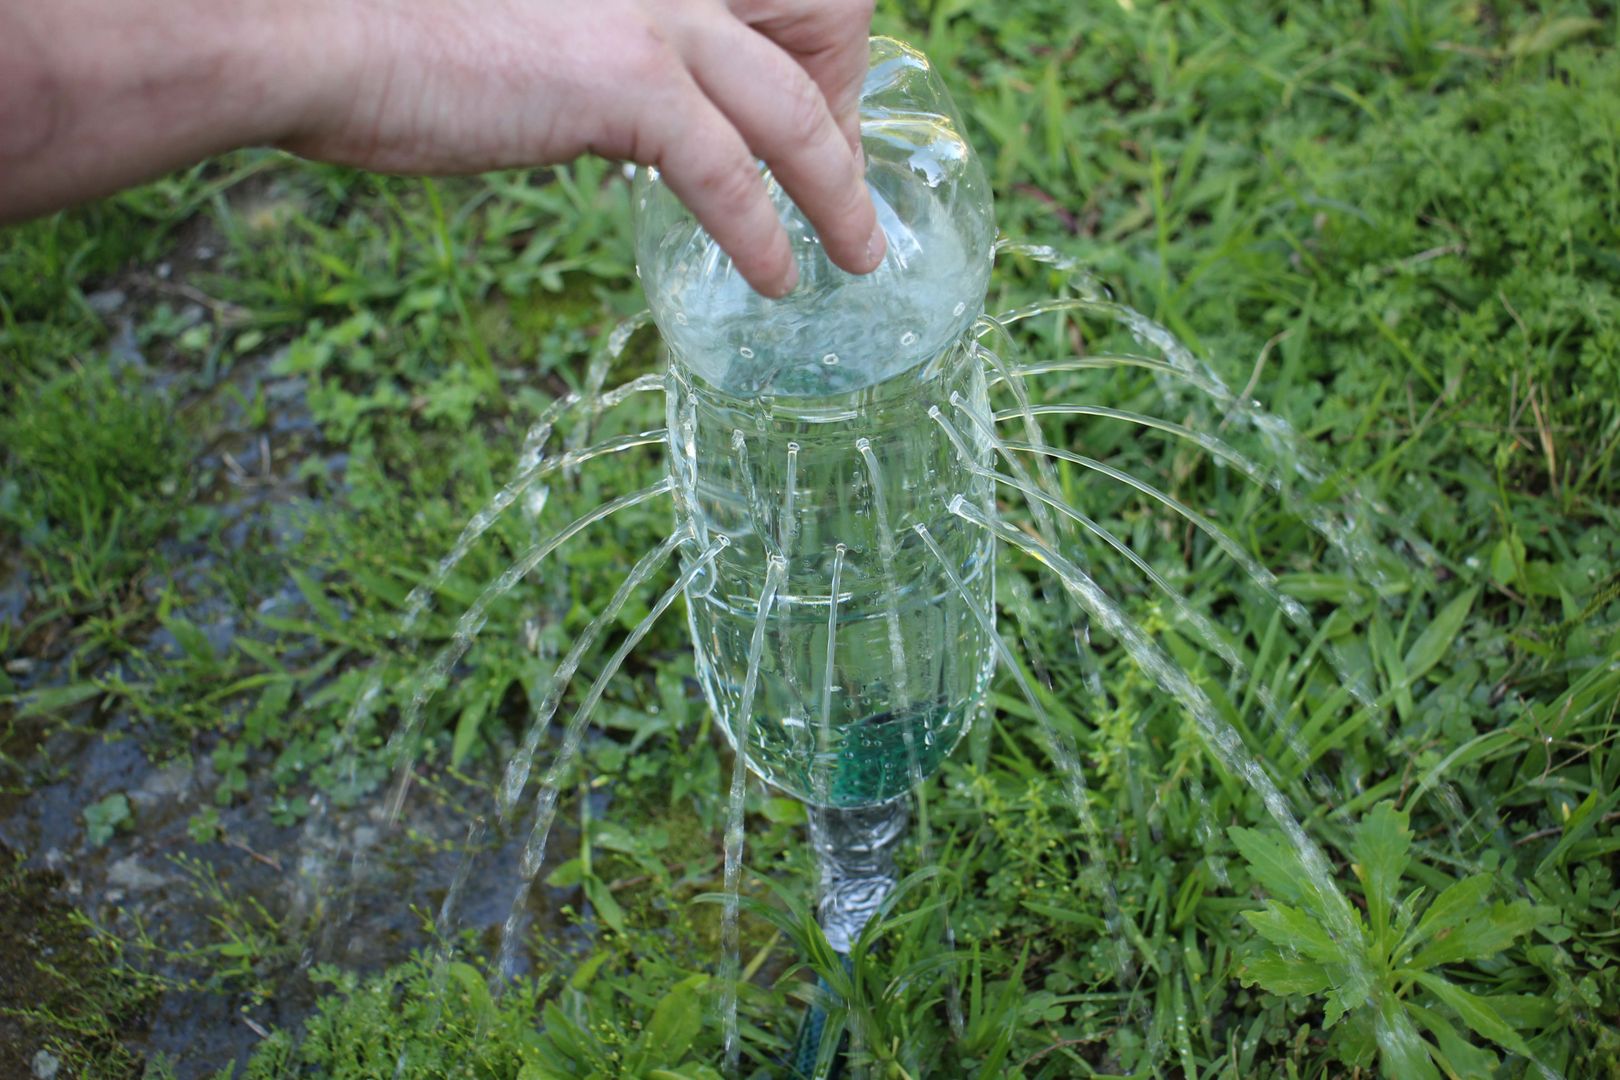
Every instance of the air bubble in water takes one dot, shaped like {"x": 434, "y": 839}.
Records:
{"x": 830, "y": 359}
{"x": 746, "y": 353}
{"x": 680, "y": 317}
{"x": 908, "y": 339}
{"x": 961, "y": 306}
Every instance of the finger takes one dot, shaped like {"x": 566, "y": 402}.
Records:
{"x": 782, "y": 114}
{"x": 709, "y": 168}
{"x": 829, "y": 40}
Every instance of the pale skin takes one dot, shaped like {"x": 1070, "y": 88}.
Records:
{"x": 96, "y": 95}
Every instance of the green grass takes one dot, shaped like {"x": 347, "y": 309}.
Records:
{"x": 84, "y": 507}
{"x": 1396, "y": 223}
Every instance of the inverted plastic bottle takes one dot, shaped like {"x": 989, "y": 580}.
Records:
{"x": 800, "y": 432}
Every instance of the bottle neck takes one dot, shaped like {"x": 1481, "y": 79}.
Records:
{"x": 855, "y": 854}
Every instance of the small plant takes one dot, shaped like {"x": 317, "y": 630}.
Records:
{"x": 583, "y": 1042}
{"x": 104, "y": 817}
{"x": 1384, "y": 988}
{"x": 248, "y": 941}
{"x": 887, "y": 994}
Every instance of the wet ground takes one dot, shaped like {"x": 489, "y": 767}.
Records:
{"x": 221, "y": 914}
{"x": 220, "y": 920}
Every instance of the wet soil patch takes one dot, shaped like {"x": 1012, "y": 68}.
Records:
{"x": 163, "y": 940}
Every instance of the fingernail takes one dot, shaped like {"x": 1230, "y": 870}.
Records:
{"x": 876, "y": 245}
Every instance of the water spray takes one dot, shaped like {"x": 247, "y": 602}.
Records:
{"x": 834, "y": 466}
{"x": 841, "y": 660}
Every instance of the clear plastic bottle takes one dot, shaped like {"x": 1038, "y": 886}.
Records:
{"x": 800, "y": 429}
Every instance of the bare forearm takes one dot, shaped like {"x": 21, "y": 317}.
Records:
{"x": 99, "y": 94}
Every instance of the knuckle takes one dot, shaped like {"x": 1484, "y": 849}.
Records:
{"x": 805, "y": 111}
{"x": 728, "y": 182}
{"x": 645, "y": 57}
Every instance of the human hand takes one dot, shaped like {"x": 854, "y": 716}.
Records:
{"x": 698, "y": 88}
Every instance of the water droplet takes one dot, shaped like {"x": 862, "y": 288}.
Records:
{"x": 746, "y": 353}
{"x": 908, "y": 339}
{"x": 961, "y": 306}
{"x": 830, "y": 359}
{"x": 680, "y": 317}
